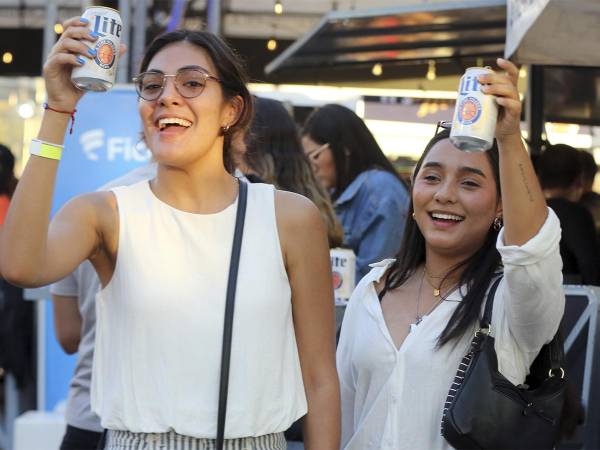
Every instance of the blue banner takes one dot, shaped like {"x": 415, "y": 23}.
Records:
{"x": 105, "y": 144}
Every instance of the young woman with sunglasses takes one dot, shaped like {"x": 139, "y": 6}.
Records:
{"x": 369, "y": 197}
{"x": 161, "y": 250}
{"x": 411, "y": 319}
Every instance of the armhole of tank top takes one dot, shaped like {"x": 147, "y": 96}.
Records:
{"x": 119, "y": 233}
{"x": 277, "y": 235}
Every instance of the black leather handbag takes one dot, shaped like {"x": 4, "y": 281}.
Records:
{"x": 484, "y": 410}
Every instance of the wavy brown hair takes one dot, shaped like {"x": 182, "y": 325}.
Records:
{"x": 274, "y": 153}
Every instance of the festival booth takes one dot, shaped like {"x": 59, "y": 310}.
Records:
{"x": 106, "y": 143}
{"x": 558, "y": 39}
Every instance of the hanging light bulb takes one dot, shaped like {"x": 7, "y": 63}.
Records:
{"x": 272, "y": 44}
{"x": 377, "y": 69}
{"x": 431, "y": 75}
{"x": 479, "y": 62}
{"x": 278, "y": 7}
{"x": 58, "y": 28}
{"x": 7, "y": 57}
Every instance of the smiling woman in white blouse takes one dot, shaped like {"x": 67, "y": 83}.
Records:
{"x": 410, "y": 320}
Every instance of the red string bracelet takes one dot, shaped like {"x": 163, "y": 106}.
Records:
{"x": 71, "y": 113}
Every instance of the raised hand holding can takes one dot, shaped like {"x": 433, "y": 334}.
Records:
{"x": 98, "y": 74}
{"x": 475, "y": 114}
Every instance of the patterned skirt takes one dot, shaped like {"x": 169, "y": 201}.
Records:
{"x": 127, "y": 440}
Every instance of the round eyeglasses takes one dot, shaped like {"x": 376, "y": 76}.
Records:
{"x": 189, "y": 83}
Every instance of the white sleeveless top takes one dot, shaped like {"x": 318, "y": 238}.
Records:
{"x": 160, "y": 322}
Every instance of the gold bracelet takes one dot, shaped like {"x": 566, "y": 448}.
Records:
{"x": 45, "y": 149}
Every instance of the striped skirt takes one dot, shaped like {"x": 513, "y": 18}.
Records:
{"x": 127, "y": 440}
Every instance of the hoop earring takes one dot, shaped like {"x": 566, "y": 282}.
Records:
{"x": 497, "y": 224}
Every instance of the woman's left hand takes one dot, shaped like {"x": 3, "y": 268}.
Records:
{"x": 504, "y": 87}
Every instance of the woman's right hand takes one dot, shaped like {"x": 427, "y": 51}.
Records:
{"x": 71, "y": 50}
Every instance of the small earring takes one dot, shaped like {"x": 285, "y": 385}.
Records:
{"x": 497, "y": 224}
{"x": 413, "y": 215}
{"x": 225, "y": 129}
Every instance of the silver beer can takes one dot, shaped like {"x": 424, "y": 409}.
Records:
{"x": 343, "y": 268}
{"x": 98, "y": 74}
{"x": 475, "y": 114}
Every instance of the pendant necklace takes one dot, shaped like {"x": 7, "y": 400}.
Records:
{"x": 437, "y": 290}
{"x": 436, "y": 293}
{"x": 418, "y": 319}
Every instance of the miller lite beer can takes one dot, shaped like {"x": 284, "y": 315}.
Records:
{"x": 98, "y": 74}
{"x": 475, "y": 114}
{"x": 343, "y": 269}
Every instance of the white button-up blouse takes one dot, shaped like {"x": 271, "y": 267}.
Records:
{"x": 392, "y": 399}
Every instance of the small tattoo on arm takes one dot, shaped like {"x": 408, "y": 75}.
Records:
{"x": 524, "y": 178}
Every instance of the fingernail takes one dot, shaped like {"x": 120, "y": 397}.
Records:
{"x": 94, "y": 34}
{"x": 92, "y": 51}
{"x": 80, "y": 59}
{"x": 84, "y": 20}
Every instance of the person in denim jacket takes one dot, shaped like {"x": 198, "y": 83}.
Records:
{"x": 369, "y": 197}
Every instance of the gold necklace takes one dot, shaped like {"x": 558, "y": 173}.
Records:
{"x": 436, "y": 289}
{"x": 436, "y": 293}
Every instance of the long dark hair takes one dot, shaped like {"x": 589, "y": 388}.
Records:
{"x": 8, "y": 181}
{"x": 478, "y": 269}
{"x": 274, "y": 153}
{"x": 353, "y": 146}
{"x": 230, "y": 71}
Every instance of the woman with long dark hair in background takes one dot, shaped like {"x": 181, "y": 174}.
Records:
{"x": 272, "y": 152}
{"x": 369, "y": 197}
{"x": 473, "y": 217}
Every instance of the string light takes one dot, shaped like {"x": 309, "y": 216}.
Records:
{"x": 377, "y": 70}
{"x": 278, "y": 7}
{"x": 7, "y": 57}
{"x": 431, "y": 75}
{"x": 272, "y": 44}
{"x": 58, "y": 28}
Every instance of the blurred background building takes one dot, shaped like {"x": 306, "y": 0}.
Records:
{"x": 398, "y": 71}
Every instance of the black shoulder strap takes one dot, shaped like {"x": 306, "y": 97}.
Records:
{"x": 229, "y": 307}
{"x": 552, "y": 353}
{"x": 486, "y": 320}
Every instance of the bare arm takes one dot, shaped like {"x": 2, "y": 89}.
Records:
{"x": 67, "y": 322}
{"x": 523, "y": 204}
{"x": 306, "y": 250}
{"x": 33, "y": 252}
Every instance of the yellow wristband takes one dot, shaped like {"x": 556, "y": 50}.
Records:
{"x": 45, "y": 149}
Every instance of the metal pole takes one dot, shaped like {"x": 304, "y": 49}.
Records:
{"x": 123, "y": 69}
{"x": 12, "y": 406}
{"x": 139, "y": 34}
{"x": 49, "y": 34}
{"x": 213, "y": 16}
{"x": 535, "y": 108}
